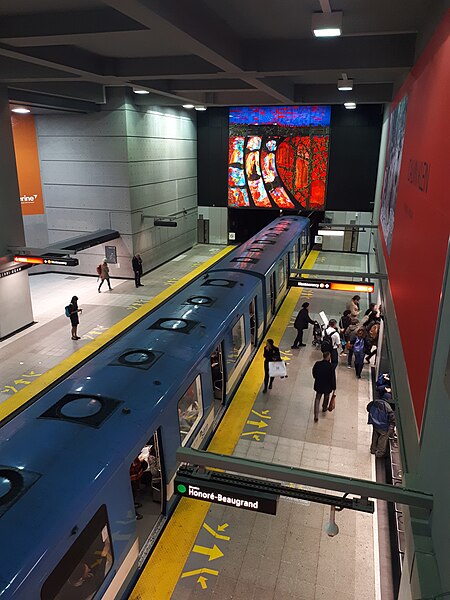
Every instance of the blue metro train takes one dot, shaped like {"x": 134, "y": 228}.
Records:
{"x": 78, "y": 513}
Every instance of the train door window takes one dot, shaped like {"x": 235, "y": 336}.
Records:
{"x": 294, "y": 256}
{"x": 253, "y": 324}
{"x": 272, "y": 293}
{"x": 190, "y": 410}
{"x": 281, "y": 274}
{"x": 147, "y": 485}
{"x": 238, "y": 339}
{"x": 217, "y": 378}
{"x": 84, "y": 567}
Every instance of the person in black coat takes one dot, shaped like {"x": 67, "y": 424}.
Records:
{"x": 271, "y": 354}
{"x": 136, "y": 263}
{"x": 73, "y": 315}
{"x": 301, "y": 322}
{"x": 324, "y": 383}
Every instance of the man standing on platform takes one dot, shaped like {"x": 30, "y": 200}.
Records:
{"x": 301, "y": 322}
{"x": 136, "y": 263}
{"x": 324, "y": 383}
{"x": 331, "y": 342}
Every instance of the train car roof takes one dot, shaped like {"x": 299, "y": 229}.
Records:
{"x": 258, "y": 254}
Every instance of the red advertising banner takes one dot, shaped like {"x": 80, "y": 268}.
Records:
{"x": 27, "y": 163}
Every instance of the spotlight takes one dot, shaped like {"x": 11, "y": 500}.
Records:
{"x": 327, "y": 24}
{"x": 140, "y": 91}
{"x": 188, "y": 106}
{"x": 350, "y": 105}
{"x": 200, "y": 107}
{"x": 21, "y": 110}
{"x": 331, "y": 528}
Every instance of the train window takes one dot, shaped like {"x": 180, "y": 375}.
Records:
{"x": 190, "y": 410}
{"x": 84, "y": 567}
{"x": 238, "y": 338}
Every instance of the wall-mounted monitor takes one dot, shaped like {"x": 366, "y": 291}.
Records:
{"x": 278, "y": 157}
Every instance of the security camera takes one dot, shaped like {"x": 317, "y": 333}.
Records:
{"x": 331, "y": 528}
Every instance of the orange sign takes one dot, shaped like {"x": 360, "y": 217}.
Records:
{"x": 27, "y": 163}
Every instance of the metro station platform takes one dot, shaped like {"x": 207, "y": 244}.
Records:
{"x": 209, "y": 551}
{"x": 32, "y": 352}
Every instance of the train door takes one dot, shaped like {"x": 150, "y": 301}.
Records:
{"x": 253, "y": 322}
{"x": 217, "y": 379}
{"x": 148, "y": 485}
{"x": 272, "y": 293}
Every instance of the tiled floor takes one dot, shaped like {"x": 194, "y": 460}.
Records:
{"x": 45, "y": 344}
{"x": 289, "y": 556}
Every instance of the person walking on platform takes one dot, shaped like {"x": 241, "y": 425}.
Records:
{"x": 73, "y": 311}
{"x": 331, "y": 342}
{"x": 301, "y": 322}
{"x": 350, "y": 337}
{"x": 382, "y": 419}
{"x": 271, "y": 354}
{"x": 324, "y": 383}
{"x": 104, "y": 275}
{"x": 359, "y": 351}
{"x": 353, "y": 306}
{"x": 136, "y": 263}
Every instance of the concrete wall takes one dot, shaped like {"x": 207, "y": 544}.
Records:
{"x": 348, "y": 217}
{"x": 104, "y": 170}
{"x": 218, "y": 223}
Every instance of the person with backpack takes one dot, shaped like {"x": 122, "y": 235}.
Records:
{"x": 331, "y": 342}
{"x": 104, "y": 274}
{"x": 350, "y": 337}
{"x": 301, "y": 322}
{"x": 72, "y": 311}
{"x": 359, "y": 348}
{"x": 382, "y": 419}
{"x": 324, "y": 383}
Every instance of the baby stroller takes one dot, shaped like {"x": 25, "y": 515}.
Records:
{"x": 317, "y": 334}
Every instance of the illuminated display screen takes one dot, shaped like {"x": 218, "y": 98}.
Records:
{"x": 278, "y": 157}
{"x": 337, "y": 286}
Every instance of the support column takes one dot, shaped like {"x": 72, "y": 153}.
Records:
{"x": 15, "y": 299}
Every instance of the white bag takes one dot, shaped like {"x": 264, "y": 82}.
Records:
{"x": 277, "y": 369}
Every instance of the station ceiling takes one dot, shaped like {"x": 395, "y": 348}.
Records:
{"x": 63, "y": 53}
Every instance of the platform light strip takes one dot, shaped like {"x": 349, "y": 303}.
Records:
{"x": 165, "y": 565}
{"x": 24, "y": 396}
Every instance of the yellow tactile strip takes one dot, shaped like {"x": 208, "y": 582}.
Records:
{"x": 21, "y": 398}
{"x": 164, "y": 567}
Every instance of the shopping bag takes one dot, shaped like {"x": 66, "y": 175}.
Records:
{"x": 277, "y": 369}
{"x": 332, "y": 403}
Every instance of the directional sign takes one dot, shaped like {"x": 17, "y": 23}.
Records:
{"x": 46, "y": 260}
{"x": 226, "y": 495}
{"x": 333, "y": 285}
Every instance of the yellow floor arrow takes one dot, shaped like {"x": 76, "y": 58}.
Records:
{"x": 263, "y": 415}
{"x": 254, "y": 432}
{"x": 199, "y": 572}
{"x": 256, "y": 437}
{"x": 258, "y": 424}
{"x": 222, "y": 527}
{"x": 214, "y": 533}
{"x": 202, "y": 581}
{"x": 212, "y": 553}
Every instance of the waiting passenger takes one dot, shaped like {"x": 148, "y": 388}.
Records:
{"x": 353, "y": 306}
{"x": 301, "y": 322}
{"x": 382, "y": 419}
{"x": 324, "y": 383}
{"x": 73, "y": 315}
{"x": 344, "y": 322}
{"x": 271, "y": 354}
{"x": 335, "y": 341}
{"x": 359, "y": 351}
{"x": 350, "y": 337}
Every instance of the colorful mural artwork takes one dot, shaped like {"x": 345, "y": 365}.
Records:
{"x": 278, "y": 157}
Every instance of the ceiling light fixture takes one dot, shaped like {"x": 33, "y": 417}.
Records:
{"x": 21, "y": 110}
{"x": 140, "y": 91}
{"x": 345, "y": 84}
{"x": 188, "y": 106}
{"x": 200, "y": 107}
{"x": 327, "y": 24}
{"x": 350, "y": 105}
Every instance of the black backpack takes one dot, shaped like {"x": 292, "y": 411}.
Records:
{"x": 327, "y": 343}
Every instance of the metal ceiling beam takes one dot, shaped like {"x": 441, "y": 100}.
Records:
{"x": 80, "y": 90}
{"x": 31, "y": 29}
{"x": 328, "y": 93}
{"x": 46, "y": 101}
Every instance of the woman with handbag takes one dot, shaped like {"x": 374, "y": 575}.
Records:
{"x": 271, "y": 354}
